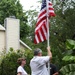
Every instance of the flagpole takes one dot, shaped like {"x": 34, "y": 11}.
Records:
{"x": 48, "y": 43}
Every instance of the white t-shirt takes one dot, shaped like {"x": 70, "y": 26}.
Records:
{"x": 38, "y": 65}
{"x": 21, "y": 69}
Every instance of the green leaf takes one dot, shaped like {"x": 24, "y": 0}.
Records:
{"x": 68, "y": 58}
{"x": 70, "y": 44}
{"x": 68, "y": 69}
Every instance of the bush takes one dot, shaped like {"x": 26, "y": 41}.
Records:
{"x": 9, "y": 64}
{"x": 68, "y": 70}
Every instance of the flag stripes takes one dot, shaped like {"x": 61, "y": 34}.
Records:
{"x": 41, "y": 27}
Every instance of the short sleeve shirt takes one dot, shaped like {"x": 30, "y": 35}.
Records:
{"x": 38, "y": 65}
{"x": 21, "y": 69}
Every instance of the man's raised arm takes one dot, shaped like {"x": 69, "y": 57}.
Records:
{"x": 49, "y": 52}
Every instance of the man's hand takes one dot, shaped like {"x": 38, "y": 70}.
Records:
{"x": 56, "y": 73}
{"x": 48, "y": 48}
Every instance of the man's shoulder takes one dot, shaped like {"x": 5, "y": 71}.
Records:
{"x": 45, "y": 56}
{"x": 38, "y": 58}
{"x": 35, "y": 58}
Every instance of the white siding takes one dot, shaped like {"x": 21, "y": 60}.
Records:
{"x": 22, "y": 47}
{"x": 2, "y": 40}
{"x": 12, "y": 33}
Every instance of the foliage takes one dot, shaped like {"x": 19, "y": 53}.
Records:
{"x": 9, "y": 64}
{"x": 70, "y": 44}
{"x": 14, "y": 8}
{"x": 62, "y": 28}
{"x": 70, "y": 56}
{"x": 68, "y": 70}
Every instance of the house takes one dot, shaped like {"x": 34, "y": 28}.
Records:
{"x": 10, "y": 35}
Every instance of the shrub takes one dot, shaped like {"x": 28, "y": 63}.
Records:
{"x": 68, "y": 70}
{"x": 9, "y": 64}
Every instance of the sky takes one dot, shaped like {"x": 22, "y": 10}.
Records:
{"x": 28, "y": 3}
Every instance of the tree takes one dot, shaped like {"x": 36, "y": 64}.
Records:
{"x": 14, "y": 8}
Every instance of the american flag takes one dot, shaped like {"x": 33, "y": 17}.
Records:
{"x": 41, "y": 27}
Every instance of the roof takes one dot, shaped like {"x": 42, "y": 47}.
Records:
{"x": 25, "y": 45}
{"x": 1, "y": 27}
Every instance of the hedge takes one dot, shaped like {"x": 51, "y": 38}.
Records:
{"x": 8, "y": 65}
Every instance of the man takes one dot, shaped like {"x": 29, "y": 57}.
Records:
{"x": 38, "y": 62}
{"x": 53, "y": 70}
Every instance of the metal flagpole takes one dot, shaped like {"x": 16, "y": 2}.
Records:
{"x": 48, "y": 43}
